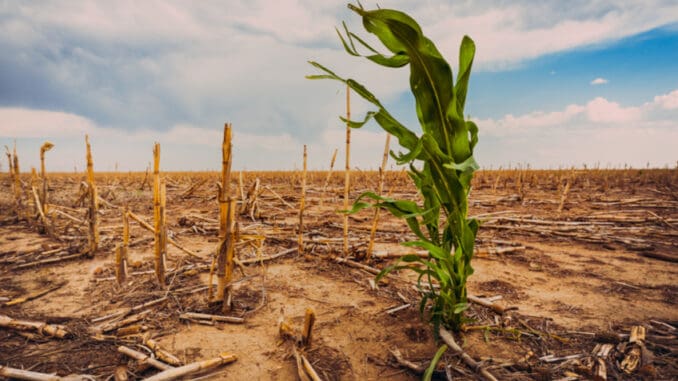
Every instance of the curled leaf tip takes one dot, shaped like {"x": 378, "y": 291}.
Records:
{"x": 359, "y": 9}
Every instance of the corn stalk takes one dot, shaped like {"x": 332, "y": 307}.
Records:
{"x": 227, "y": 205}
{"x": 159, "y": 230}
{"x": 121, "y": 252}
{"x": 440, "y": 160}
{"x": 43, "y": 196}
{"x": 347, "y": 169}
{"x": 18, "y": 191}
{"x": 93, "y": 210}
{"x": 380, "y": 189}
{"x": 329, "y": 175}
{"x": 10, "y": 165}
{"x": 302, "y": 205}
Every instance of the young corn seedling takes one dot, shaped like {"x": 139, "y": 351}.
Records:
{"x": 440, "y": 159}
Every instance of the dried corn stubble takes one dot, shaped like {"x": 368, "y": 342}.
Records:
{"x": 93, "y": 211}
{"x": 177, "y": 373}
{"x": 329, "y": 175}
{"x": 121, "y": 258}
{"x": 302, "y": 205}
{"x": 347, "y": 168}
{"x": 17, "y": 183}
{"x": 307, "y": 333}
{"x": 159, "y": 229}
{"x": 10, "y": 164}
{"x": 227, "y": 252}
{"x": 161, "y": 236}
{"x": 43, "y": 197}
{"x": 380, "y": 190}
{"x": 225, "y": 191}
{"x": 225, "y": 215}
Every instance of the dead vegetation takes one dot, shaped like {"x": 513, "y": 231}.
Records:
{"x": 574, "y": 278}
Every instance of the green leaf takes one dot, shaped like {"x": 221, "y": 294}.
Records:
{"x": 409, "y": 258}
{"x": 349, "y": 49}
{"x": 441, "y": 160}
{"x": 354, "y": 124}
{"x": 467, "y": 51}
{"x": 435, "y": 251}
{"x": 410, "y": 156}
{"x": 434, "y": 362}
{"x": 468, "y": 165}
{"x": 473, "y": 130}
{"x": 395, "y": 61}
{"x": 406, "y": 138}
{"x": 430, "y": 75}
{"x": 461, "y": 307}
{"x": 357, "y": 206}
{"x": 360, "y": 40}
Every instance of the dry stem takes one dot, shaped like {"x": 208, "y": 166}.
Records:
{"x": 347, "y": 169}
{"x": 302, "y": 205}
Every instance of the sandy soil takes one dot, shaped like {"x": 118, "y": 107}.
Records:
{"x": 587, "y": 270}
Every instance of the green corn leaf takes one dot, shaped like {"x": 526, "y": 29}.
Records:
{"x": 353, "y": 124}
{"x": 441, "y": 160}
{"x": 356, "y": 207}
{"x": 319, "y": 76}
{"x": 401, "y": 208}
{"x": 435, "y": 251}
{"x": 349, "y": 49}
{"x": 395, "y": 61}
{"x": 406, "y": 138}
{"x": 468, "y": 165}
{"x": 409, "y": 258}
{"x": 430, "y": 75}
{"x": 360, "y": 40}
{"x": 461, "y": 147}
{"x": 461, "y": 307}
{"x": 410, "y": 156}
{"x": 432, "y": 367}
{"x": 377, "y": 22}
{"x": 467, "y": 51}
{"x": 422, "y": 304}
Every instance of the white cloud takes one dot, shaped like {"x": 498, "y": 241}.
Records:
{"x": 131, "y": 73}
{"x": 24, "y": 123}
{"x": 668, "y": 101}
{"x": 508, "y": 33}
{"x": 600, "y": 110}
{"x": 601, "y": 131}
{"x": 183, "y": 146}
{"x": 599, "y": 81}
{"x": 160, "y": 63}
{"x": 251, "y": 150}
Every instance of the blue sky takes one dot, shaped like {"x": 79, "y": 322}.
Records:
{"x": 636, "y": 69}
{"x": 555, "y": 84}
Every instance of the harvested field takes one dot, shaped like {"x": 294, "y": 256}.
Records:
{"x": 575, "y": 259}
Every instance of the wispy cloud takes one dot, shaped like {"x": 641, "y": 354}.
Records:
{"x": 599, "y": 81}
{"x": 511, "y": 32}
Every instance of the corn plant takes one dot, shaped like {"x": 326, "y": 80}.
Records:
{"x": 440, "y": 159}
